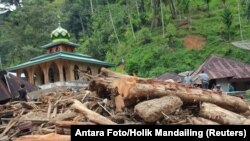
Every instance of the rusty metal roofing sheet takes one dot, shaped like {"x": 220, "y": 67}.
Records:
{"x": 15, "y": 82}
{"x": 172, "y": 76}
{"x": 4, "y": 93}
{"x": 218, "y": 67}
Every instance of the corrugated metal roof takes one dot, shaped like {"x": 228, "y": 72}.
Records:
{"x": 60, "y": 55}
{"x": 4, "y": 93}
{"x": 9, "y": 86}
{"x": 14, "y": 84}
{"x": 217, "y": 67}
{"x": 172, "y": 76}
{"x": 58, "y": 52}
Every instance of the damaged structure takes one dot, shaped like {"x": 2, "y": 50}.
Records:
{"x": 223, "y": 71}
{"x": 61, "y": 63}
{"x": 9, "y": 86}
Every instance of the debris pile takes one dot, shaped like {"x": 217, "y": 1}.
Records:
{"x": 112, "y": 99}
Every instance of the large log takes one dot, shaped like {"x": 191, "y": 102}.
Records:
{"x": 220, "y": 115}
{"x": 48, "y": 137}
{"x": 91, "y": 115}
{"x": 152, "y": 110}
{"x": 130, "y": 88}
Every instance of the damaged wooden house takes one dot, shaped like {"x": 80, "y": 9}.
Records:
{"x": 60, "y": 64}
{"x": 9, "y": 86}
{"x": 224, "y": 71}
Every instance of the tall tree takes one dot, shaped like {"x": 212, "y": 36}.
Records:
{"x": 137, "y": 9}
{"x": 130, "y": 20}
{"x": 78, "y": 18}
{"x": 227, "y": 19}
{"x": 91, "y": 6}
{"x": 25, "y": 29}
{"x": 172, "y": 4}
{"x": 248, "y": 12}
{"x": 241, "y": 35}
{"x": 112, "y": 23}
{"x": 162, "y": 20}
{"x": 142, "y": 6}
{"x": 156, "y": 14}
{"x": 224, "y": 2}
{"x": 208, "y": 4}
{"x": 185, "y": 6}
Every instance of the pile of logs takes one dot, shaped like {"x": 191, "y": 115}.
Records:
{"x": 113, "y": 99}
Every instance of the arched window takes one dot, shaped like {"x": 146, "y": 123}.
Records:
{"x": 38, "y": 76}
{"x": 76, "y": 72}
{"x": 99, "y": 70}
{"x": 53, "y": 73}
{"x": 89, "y": 70}
{"x": 24, "y": 75}
{"x": 64, "y": 74}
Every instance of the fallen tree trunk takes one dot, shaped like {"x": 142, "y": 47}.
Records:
{"x": 152, "y": 110}
{"x": 131, "y": 88}
{"x": 220, "y": 115}
{"x": 201, "y": 121}
{"x": 91, "y": 115}
{"x": 48, "y": 137}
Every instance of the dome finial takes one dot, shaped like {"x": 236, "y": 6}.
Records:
{"x": 60, "y": 34}
{"x": 59, "y": 20}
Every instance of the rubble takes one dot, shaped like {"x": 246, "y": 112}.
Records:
{"x": 113, "y": 98}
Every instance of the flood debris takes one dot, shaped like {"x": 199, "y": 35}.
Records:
{"x": 113, "y": 98}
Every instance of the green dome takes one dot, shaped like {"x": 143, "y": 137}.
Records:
{"x": 60, "y": 34}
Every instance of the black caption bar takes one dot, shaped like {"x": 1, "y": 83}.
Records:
{"x": 194, "y": 132}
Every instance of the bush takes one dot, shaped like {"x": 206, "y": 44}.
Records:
{"x": 144, "y": 36}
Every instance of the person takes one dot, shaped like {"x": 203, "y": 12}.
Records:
{"x": 204, "y": 80}
{"x": 23, "y": 96}
{"x": 188, "y": 79}
{"x": 230, "y": 88}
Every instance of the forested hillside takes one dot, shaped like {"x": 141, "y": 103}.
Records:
{"x": 152, "y": 36}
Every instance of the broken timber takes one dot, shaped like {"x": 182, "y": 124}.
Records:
{"x": 132, "y": 88}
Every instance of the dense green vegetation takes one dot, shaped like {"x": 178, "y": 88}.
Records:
{"x": 147, "y": 34}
